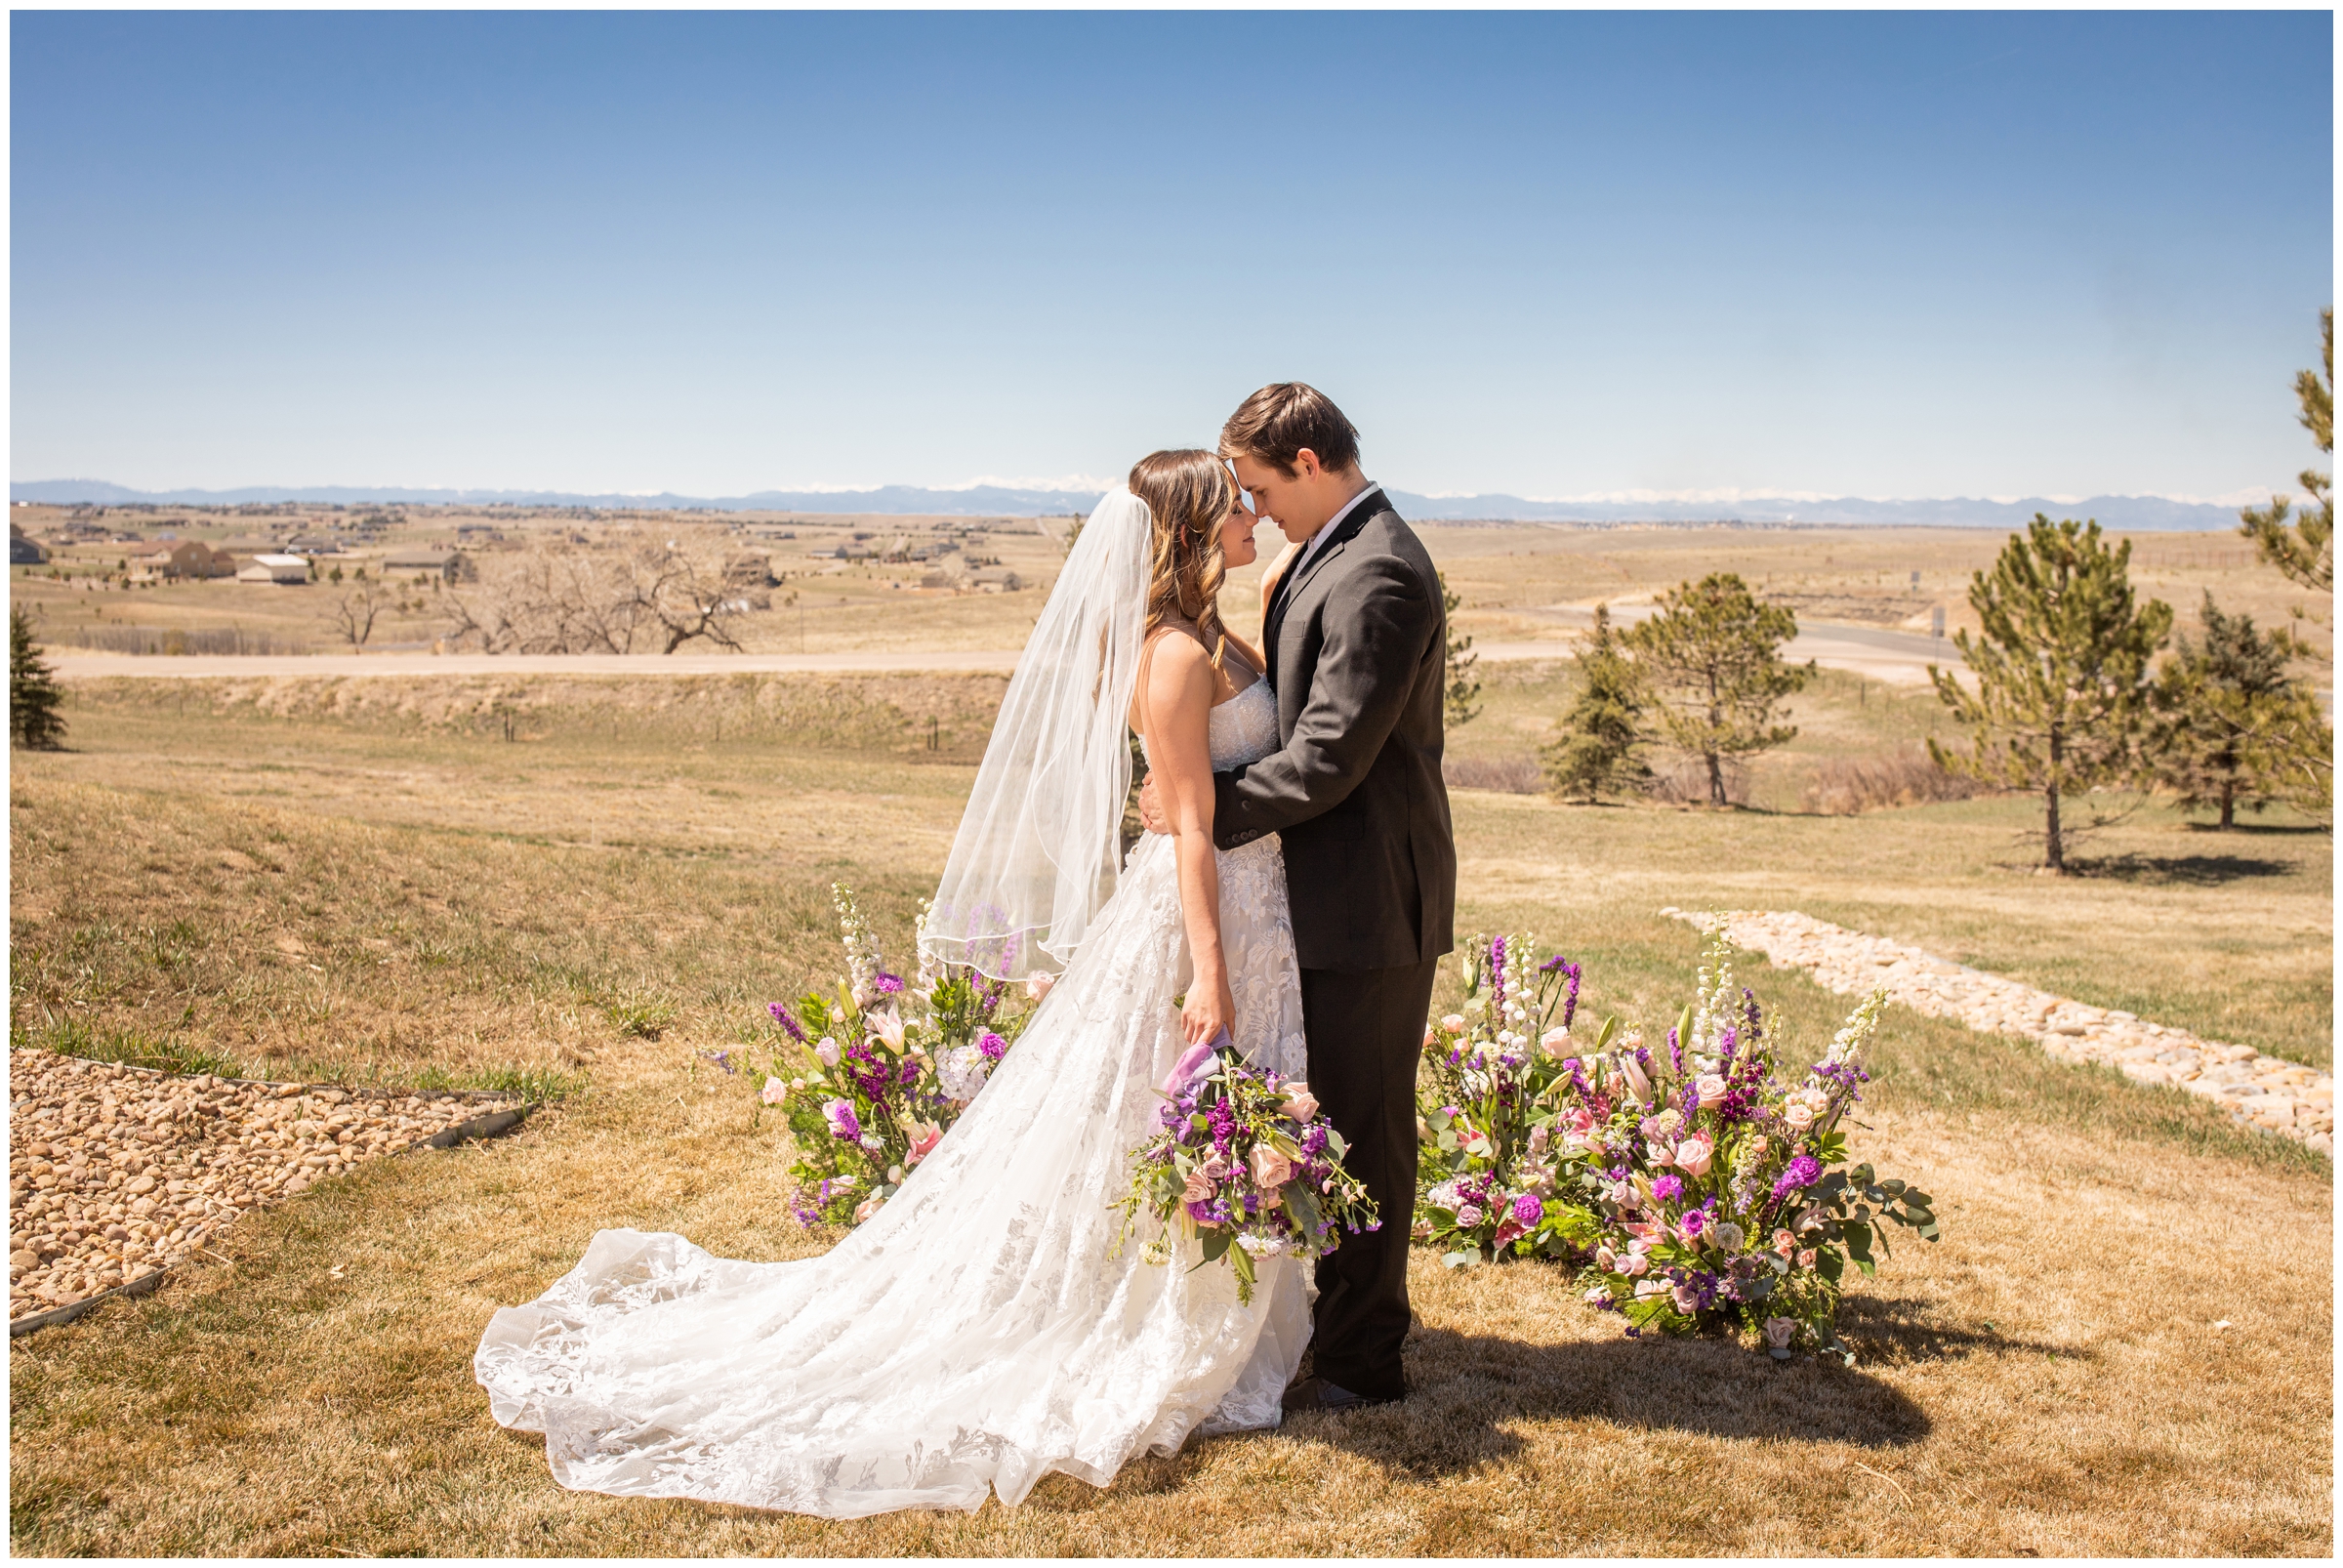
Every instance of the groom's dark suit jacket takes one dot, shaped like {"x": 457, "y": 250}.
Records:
{"x": 1357, "y": 647}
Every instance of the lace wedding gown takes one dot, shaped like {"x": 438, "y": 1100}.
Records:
{"x": 975, "y": 1334}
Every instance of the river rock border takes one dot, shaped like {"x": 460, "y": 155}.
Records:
{"x": 2267, "y": 1092}
{"x": 118, "y": 1175}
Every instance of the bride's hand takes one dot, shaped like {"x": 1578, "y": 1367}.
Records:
{"x": 1210, "y": 1009}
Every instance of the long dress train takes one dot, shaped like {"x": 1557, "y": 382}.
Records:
{"x": 976, "y": 1334}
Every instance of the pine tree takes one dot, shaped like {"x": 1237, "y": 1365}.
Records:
{"x": 2229, "y": 722}
{"x": 1602, "y": 735}
{"x": 1712, "y": 655}
{"x": 2305, "y": 551}
{"x": 2062, "y": 671}
{"x": 33, "y": 695}
{"x": 1462, "y": 688}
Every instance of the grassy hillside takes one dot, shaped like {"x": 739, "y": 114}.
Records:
{"x": 377, "y": 885}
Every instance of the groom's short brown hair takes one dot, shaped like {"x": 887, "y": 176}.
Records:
{"x": 1281, "y": 419}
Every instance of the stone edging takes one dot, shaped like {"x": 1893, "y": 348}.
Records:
{"x": 2266, "y": 1092}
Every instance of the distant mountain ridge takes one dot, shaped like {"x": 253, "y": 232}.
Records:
{"x": 2128, "y": 511}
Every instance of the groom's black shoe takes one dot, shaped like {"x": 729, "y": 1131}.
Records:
{"x": 1316, "y": 1393}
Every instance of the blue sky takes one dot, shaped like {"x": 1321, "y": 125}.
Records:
{"x": 1549, "y": 254}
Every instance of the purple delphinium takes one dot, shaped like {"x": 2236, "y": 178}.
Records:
{"x": 844, "y": 1123}
{"x": 787, "y": 1021}
{"x": 992, "y": 1044}
{"x": 722, "y": 1058}
{"x": 1497, "y": 974}
{"x": 1802, "y": 1172}
{"x": 1675, "y": 1052}
{"x": 1749, "y": 1009}
{"x": 1313, "y": 1140}
{"x": 988, "y": 996}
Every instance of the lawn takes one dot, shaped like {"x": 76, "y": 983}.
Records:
{"x": 375, "y": 885}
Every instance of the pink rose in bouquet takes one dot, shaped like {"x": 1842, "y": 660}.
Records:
{"x": 1270, "y": 1169}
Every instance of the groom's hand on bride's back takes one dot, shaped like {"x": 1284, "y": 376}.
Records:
{"x": 1151, "y": 811}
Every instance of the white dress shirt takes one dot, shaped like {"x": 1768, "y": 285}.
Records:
{"x": 1328, "y": 532}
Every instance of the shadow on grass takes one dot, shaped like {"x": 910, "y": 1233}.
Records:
{"x": 2189, "y": 870}
{"x": 1467, "y": 1390}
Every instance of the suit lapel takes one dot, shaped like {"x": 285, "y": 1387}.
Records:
{"x": 1288, "y": 586}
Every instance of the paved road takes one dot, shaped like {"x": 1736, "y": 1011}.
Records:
{"x": 1880, "y": 653}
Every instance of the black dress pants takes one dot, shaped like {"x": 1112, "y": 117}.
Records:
{"x": 1365, "y": 1033}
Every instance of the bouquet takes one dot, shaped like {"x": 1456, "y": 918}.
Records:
{"x": 872, "y": 1076}
{"x": 1715, "y": 1178}
{"x": 1485, "y": 1108}
{"x": 1242, "y": 1164}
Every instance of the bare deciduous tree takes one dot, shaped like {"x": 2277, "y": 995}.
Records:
{"x": 645, "y": 592}
{"x": 355, "y": 615}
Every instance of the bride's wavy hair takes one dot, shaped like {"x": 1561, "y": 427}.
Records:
{"x": 1189, "y": 494}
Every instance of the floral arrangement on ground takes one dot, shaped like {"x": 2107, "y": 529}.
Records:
{"x": 1702, "y": 1187}
{"x": 872, "y": 1075}
{"x": 1240, "y": 1168}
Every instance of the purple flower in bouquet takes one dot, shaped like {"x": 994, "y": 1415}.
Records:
{"x": 1668, "y": 1188}
{"x": 722, "y": 1058}
{"x": 842, "y": 1121}
{"x": 1528, "y": 1210}
{"x": 1802, "y": 1172}
{"x": 1750, "y": 1010}
{"x": 988, "y": 995}
{"x": 992, "y": 1044}
{"x": 886, "y": 985}
{"x": 1497, "y": 974}
{"x": 1675, "y": 1052}
{"x": 787, "y": 1021}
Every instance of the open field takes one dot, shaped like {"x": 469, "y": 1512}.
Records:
{"x": 367, "y": 879}
{"x": 1520, "y": 582}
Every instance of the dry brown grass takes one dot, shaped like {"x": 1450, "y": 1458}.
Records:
{"x": 2048, "y": 1379}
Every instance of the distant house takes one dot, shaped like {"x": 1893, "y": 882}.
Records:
{"x": 275, "y": 569}
{"x": 23, "y": 552}
{"x": 447, "y": 565}
{"x": 995, "y": 580}
{"x": 176, "y": 559}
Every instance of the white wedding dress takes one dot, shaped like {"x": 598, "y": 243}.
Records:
{"x": 976, "y": 1334}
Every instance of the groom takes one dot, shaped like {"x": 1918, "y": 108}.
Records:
{"x": 1356, "y": 640}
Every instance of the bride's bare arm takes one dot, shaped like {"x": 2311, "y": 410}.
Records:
{"x": 1176, "y": 705}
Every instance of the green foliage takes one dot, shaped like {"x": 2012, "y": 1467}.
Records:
{"x": 33, "y": 695}
{"x": 1713, "y": 656}
{"x": 2304, "y": 549}
{"x": 641, "y": 1014}
{"x": 1462, "y": 686}
{"x": 1601, "y": 743}
{"x": 74, "y": 1037}
{"x": 2062, "y": 670}
{"x": 2233, "y": 729}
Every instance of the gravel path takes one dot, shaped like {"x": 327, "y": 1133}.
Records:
{"x": 2264, "y": 1091}
{"x": 115, "y": 1171}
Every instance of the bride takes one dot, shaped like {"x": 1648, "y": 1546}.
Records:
{"x": 979, "y": 1331}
